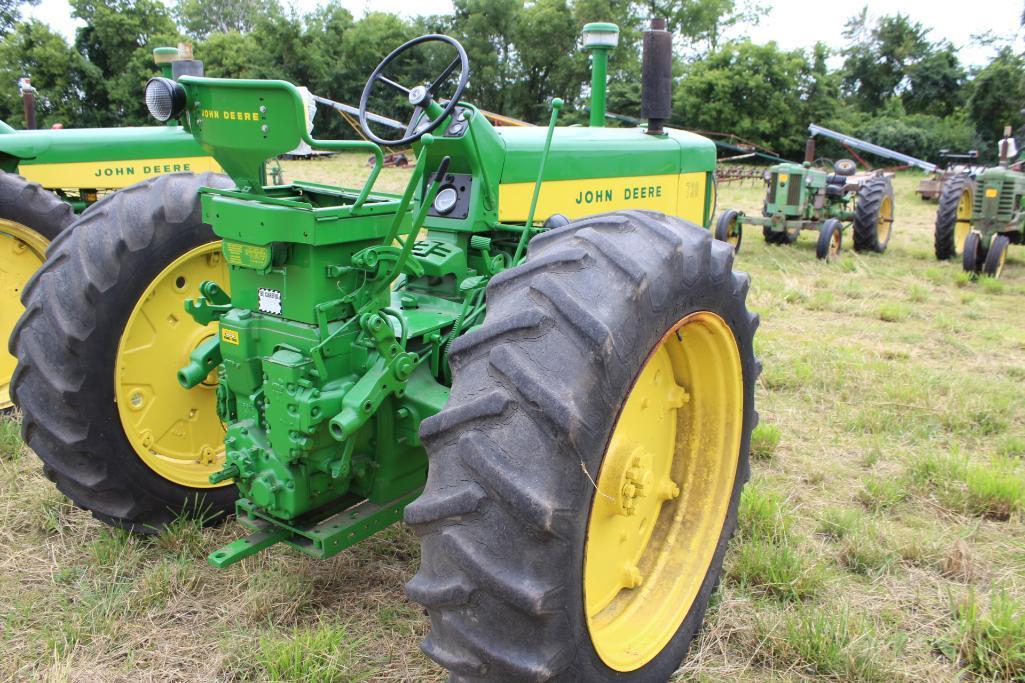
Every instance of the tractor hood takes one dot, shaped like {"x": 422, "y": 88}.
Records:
{"x": 98, "y": 144}
{"x": 579, "y": 152}
{"x": 101, "y": 158}
{"x": 593, "y": 170}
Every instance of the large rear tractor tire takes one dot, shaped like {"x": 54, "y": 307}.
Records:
{"x": 30, "y": 218}
{"x": 873, "y": 215}
{"x": 585, "y": 474}
{"x": 103, "y": 334}
{"x": 953, "y": 216}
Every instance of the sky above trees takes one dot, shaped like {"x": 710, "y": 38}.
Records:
{"x": 791, "y": 23}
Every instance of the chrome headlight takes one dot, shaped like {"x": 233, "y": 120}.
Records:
{"x": 165, "y": 98}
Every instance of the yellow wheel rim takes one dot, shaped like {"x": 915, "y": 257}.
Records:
{"x": 1000, "y": 263}
{"x": 22, "y": 251}
{"x": 664, "y": 489}
{"x": 885, "y": 220}
{"x": 964, "y": 219}
{"x": 834, "y": 245}
{"x": 175, "y": 431}
{"x": 733, "y": 236}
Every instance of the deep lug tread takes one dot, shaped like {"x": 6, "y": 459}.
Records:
{"x": 444, "y": 591}
{"x": 866, "y": 213}
{"x": 944, "y": 244}
{"x": 525, "y": 323}
{"x": 516, "y": 553}
{"x": 449, "y": 503}
{"x": 64, "y": 344}
{"x": 490, "y": 405}
{"x": 522, "y": 493}
{"x": 500, "y": 577}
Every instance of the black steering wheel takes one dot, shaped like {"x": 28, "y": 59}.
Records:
{"x": 419, "y": 96}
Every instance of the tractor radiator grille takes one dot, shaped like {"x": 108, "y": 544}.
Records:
{"x": 1006, "y": 202}
{"x": 773, "y": 179}
{"x": 794, "y": 191}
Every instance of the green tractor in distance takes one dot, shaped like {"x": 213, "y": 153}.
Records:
{"x": 47, "y": 176}
{"x": 803, "y": 197}
{"x": 550, "y": 378}
{"x": 983, "y": 216}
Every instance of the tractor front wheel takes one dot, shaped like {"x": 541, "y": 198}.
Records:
{"x": 873, "y": 215}
{"x": 585, "y": 474}
{"x": 953, "y": 216}
{"x": 830, "y": 240}
{"x": 103, "y": 334}
{"x": 30, "y": 218}
{"x": 728, "y": 229}
{"x": 971, "y": 253}
{"x": 996, "y": 255}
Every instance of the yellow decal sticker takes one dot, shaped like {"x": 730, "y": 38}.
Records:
{"x": 229, "y": 336}
{"x": 991, "y": 192}
{"x": 247, "y": 255}
{"x": 225, "y": 115}
{"x": 681, "y": 195}
{"x": 111, "y": 175}
{"x": 783, "y": 177}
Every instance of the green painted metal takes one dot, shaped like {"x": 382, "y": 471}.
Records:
{"x": 998, "y": 206}
{"x": 97, "y": 144}
{"x": 90, "y": 159}
{"x": 790, "y": 200}
{"x": 599, "y": 66}
{"x": 334, "y": 344}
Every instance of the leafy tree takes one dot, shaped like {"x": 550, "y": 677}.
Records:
{"x": 10, "y": 13}
{"x": 754, "y": 91}
{"x": 201, "y": 18}
{"x": 997, "y": 95}
{"x": 117, "y": 41}
{"x": 878, "y": 58}
{"x": 702, "y": 21}
{"x": 32, "y": 49}
{"x": 935, "y": 83}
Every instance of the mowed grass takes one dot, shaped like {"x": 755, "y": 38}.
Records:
{"x": 882, "y": 536}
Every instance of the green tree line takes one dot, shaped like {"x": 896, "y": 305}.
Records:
{"x": 889, "y": 82}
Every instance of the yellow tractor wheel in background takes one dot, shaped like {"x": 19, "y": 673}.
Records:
{"x": 30, "y": 217}
{"x": 585, "y": 475}
{"x": 953, "y": 216}
{"x": 98, "y": 348}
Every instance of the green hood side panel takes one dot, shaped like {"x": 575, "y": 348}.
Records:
{"x": 98, "y": 144}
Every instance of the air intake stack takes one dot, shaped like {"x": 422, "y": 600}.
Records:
{"x": 657, "y": 76}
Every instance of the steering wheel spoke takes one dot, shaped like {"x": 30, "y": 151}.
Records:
{"x": 420, "y": 97}
{"x": 440, "y": 80}
{"x": 392, "y": 84}
{"x": 414, "y": 121}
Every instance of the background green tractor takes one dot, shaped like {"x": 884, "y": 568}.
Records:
{"x": 46, "y": 176}
{"x": 983, "y": 216}
{"x": 805, "y": 197}
{"x": 524, "y": 354}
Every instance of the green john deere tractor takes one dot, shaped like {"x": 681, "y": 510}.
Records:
{"x": 536, "y": 354}
{"x": 804, "y": 197}
{"x": 982, "y": 217}
{"x": 47, "y": 176}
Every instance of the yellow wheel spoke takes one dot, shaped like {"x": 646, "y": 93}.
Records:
{"x": 21, "y": 254}
{"x": 663, "y": 491}
{"x": 175, "y": 431}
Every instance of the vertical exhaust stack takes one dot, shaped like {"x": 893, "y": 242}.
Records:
{"x": 657, "y": 76}
{"x": 28, "y": 102}
{"x": 1005, "y": 153}
{"x": 809, "y": 150}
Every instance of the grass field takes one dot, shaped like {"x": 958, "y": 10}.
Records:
{"x": 881, "y": 535}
